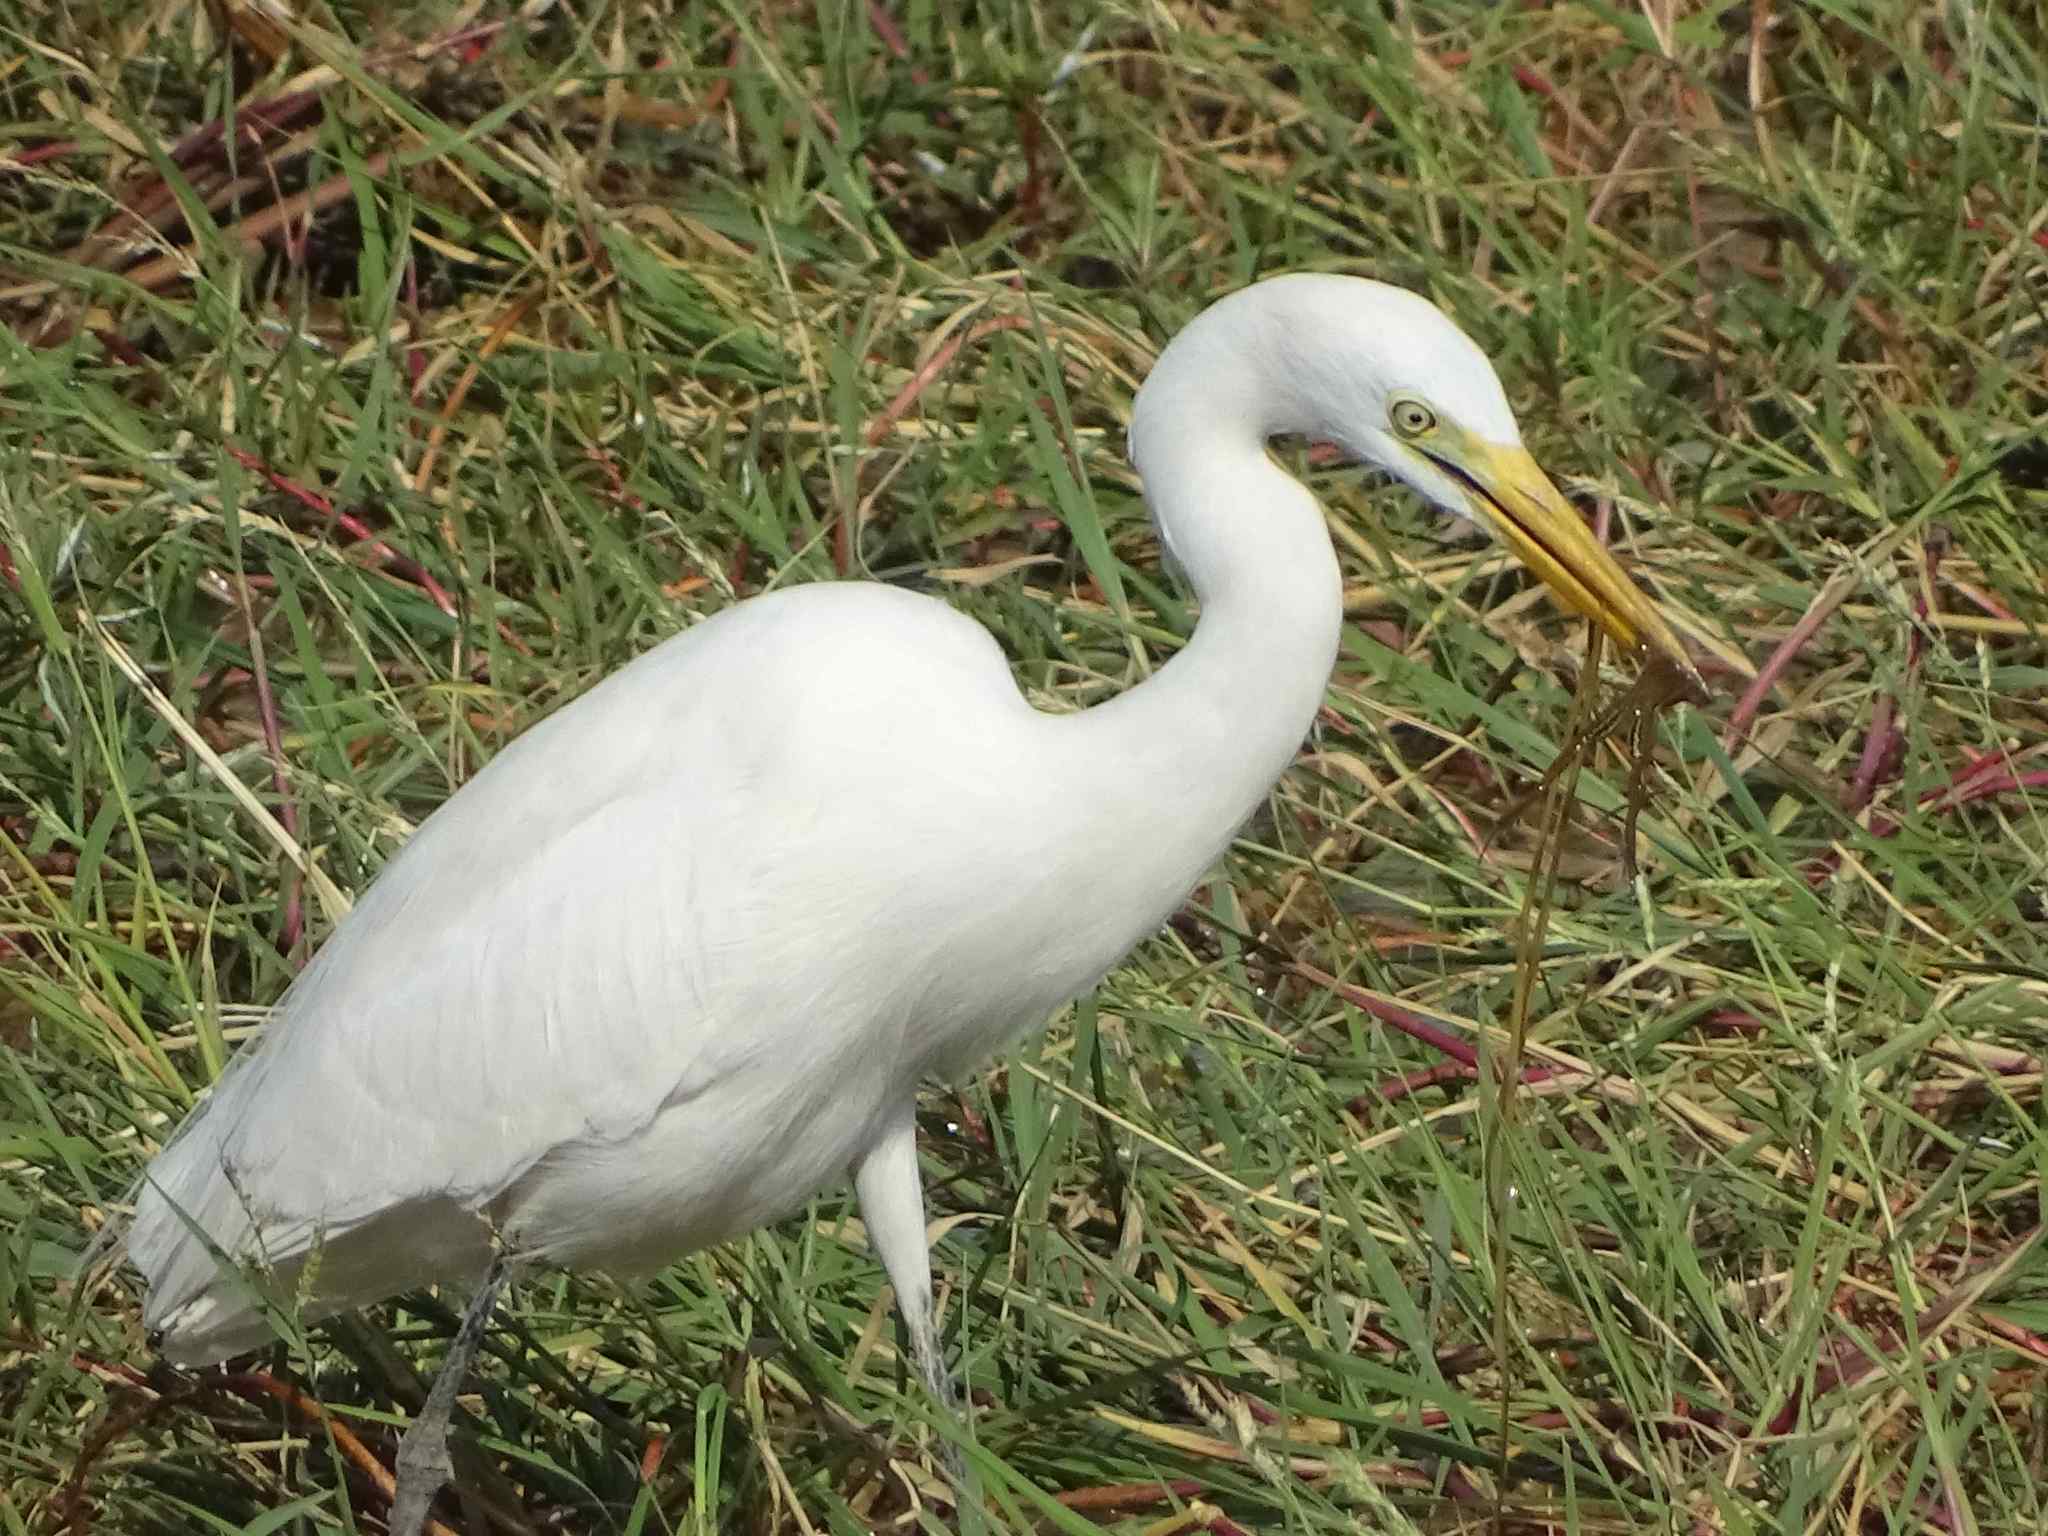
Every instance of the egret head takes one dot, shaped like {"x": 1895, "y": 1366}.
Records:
{"x": 1387, "y": 376}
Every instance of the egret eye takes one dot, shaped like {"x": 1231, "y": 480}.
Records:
{"x": 1412, "y": 418}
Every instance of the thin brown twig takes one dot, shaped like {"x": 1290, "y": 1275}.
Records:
{"x": 1113, "y": 1498}
{"x": 504, "y": 327}
{"x": 905, "y": 398}
{"x": 152, "y": 205}
{"x": 920, "y": 381}
{"x": 151, "y": 209}
{"x": 69, "y": 1502}
{"x": 257, "y": 1386}
{"x": 260, "y": 227}
{"x": 273, "y": 115}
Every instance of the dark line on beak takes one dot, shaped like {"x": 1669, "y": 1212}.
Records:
{"x": 1471, "y": 482}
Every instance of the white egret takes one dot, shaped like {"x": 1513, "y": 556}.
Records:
{"x": 680, "y": 955}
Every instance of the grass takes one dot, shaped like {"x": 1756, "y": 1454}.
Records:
{"x": 573, "y": 329}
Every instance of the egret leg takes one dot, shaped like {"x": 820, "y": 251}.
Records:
{"x": 423, "y": 1464}
{"x": 891, "y": 1195}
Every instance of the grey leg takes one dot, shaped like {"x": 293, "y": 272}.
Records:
{"x": 423, "y": 1464}
{"x": 892, "y": 1204}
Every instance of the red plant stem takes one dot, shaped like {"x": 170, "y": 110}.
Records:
{"x": 1885, "y": 745}
{"x": 1411, "y": 1024}
{"x": 1984, "y": 601}
{"x": 251, "y": 233}
{"x": 1459, "y": 1485}
{"x": 892, "y": 36}
{"x": 152, "y": 204}
{"x": 1984, "y": 789}
{"x": 122, "y": 1375}
{"x": 1854, "y": 1363}
{"x": 120, "y": 349}
{"x": 403, "y": 566}
{"x": 56, "y": 149}
{"x": 1416, "y": 1027}
{"x": 273, "y": 745}
{"x": 69, "y": 1502}
{"x": 2020, "y": 1338}
{"x": 1397, "y": 1088}
{"x": 1214, "y": 1524}
{"x": 1752, "y": 700}
{"x": 1030, "y": 203}
{"x": 1975, "y": 782}
{"x": 920, "y": 381}
{"x": 469, "y": 42}
{"x": 899, "y": 49}
{"x": 1457, "y": 813}
{"x": 1878, "y": 755}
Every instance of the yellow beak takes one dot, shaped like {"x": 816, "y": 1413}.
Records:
{"x": 1512, "y": 496}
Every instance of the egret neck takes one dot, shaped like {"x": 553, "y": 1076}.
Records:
{"x": 1193, "y": 750}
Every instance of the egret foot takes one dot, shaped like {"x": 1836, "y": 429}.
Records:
{"x": 423, "y": 1464}
{"x": 938, "y": 1383}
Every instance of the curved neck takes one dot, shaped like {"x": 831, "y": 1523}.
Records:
{"x": 1195, "y": 749}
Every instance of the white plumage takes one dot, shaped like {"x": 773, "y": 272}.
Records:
{"x": 680, "y": 955}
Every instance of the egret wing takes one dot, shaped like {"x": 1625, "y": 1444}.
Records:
{"x": 597, "y": 927}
